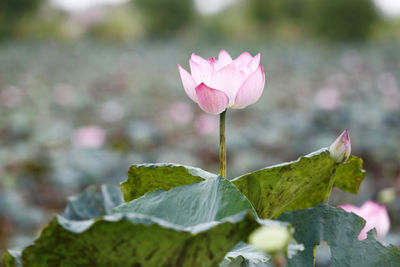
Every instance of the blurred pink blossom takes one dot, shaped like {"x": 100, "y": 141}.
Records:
{"x": 206, "y": 124}
{"x": 90, "y": 136}
{"x": 327, "y": 98}
{"x": 181, "y": 113}
{"x": 216, "y": 84}
{"x": 375, "y": 215}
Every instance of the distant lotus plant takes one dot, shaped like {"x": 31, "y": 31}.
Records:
{"x": 175, "y": 215}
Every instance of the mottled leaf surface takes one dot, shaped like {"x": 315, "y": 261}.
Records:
{"x": 145, "y": 178}
{"x": 206, "y": 201}
{"x": 135, "y": 240}
{"x": 348, "y": 176}
{"x": 340, "y": 230}
{"x": 93, "y": 202}
{"x": 298, "y": 184}
{"x": 191, "y": 225}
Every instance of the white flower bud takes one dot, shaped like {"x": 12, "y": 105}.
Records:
{"x": 340, "y": 150}
{"x": 270, "y": 239}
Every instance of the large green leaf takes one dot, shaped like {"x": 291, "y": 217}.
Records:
{"x": 144, "y": 178}
{"x": 93, "y": 203}
{"x": 340, "y": 230}
{"x": 298, "y": 184}
{"x": 209, "y": 200}
{"x": 135, "y": 240}
{"x": 191, "y": 225}
{"x": 288, "y": 186}
{"x": 206, "y": 201}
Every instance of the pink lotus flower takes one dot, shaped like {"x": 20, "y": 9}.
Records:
{"x": 340, "y": 150}
{"x": 375, "y": 215}
{"x": 218, "y": 84}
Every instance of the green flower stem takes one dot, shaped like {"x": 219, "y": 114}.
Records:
{"x": 222, "y": 148}
{"x": 330, "y": 185}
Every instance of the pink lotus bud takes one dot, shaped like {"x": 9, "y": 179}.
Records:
{"x": 375, "y": 215}
{"x": 218, "y": 84}
{"x": 89, "y": 137}
{"x": 340, "y": 150}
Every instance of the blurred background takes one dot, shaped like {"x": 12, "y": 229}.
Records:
{"x": 89, "y": 87}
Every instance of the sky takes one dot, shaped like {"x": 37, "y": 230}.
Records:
{"x": 390, "y": 8}
{"x": 209, "y": 7}
{"x": 74, "y": 6}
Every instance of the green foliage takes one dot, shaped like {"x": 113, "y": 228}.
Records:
{"x": 298, "y": 184}
{"x": 184, "y": 216}
{"x": 18, "y": 6}
{"x": 349, "y": 175}
{"x": 144, "y": 178}
{"x": 334, "y": 20}
{"x": 209, "y": 200}
{"x": 268, "y": 11}
{"x": 126, "y": 240}
{"x": 197, "y": 232}
{"x": 341, "y": 19}
{"x": 264, "y": 11}
{"x": 165, "y": 16}
{"x": 340, "y": 230}
{"x": 120, "y": 24}
{"x": 91, "y": 203}
{"x": 11, "y": 11}
{"x": 12, "y": 258}
{"x": 294, "y": 185}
